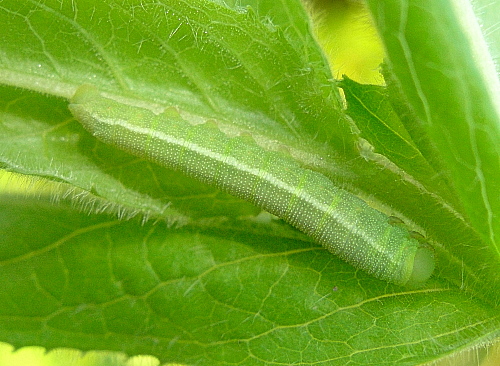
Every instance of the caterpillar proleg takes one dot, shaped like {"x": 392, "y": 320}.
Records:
{"x": 338, "y": 220}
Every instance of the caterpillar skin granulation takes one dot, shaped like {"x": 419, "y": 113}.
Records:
{"x": 338, "y": 220}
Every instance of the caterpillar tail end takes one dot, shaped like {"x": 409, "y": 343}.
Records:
{"x": 423, "y": 266}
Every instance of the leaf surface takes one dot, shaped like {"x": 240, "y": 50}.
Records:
{"x": 225, "y": 284}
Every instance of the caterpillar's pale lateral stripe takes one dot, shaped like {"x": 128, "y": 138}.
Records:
{"x": 338, "y": 220}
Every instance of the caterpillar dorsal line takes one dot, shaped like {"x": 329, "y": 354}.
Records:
{"x": 343, "y": 223}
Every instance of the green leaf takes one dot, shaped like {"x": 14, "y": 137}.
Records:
{"x": 207, "y": 58}
{"x": 219, "y": 77}
{"x": 442, "y": 59}
{"x": 211, "y": 296}
{"x": 380, "y": 125}
{"x": 382, "y": 120}
{"x": 225, "y": 284}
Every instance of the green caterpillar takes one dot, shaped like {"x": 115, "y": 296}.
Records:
{"x": 338, "y": 220}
